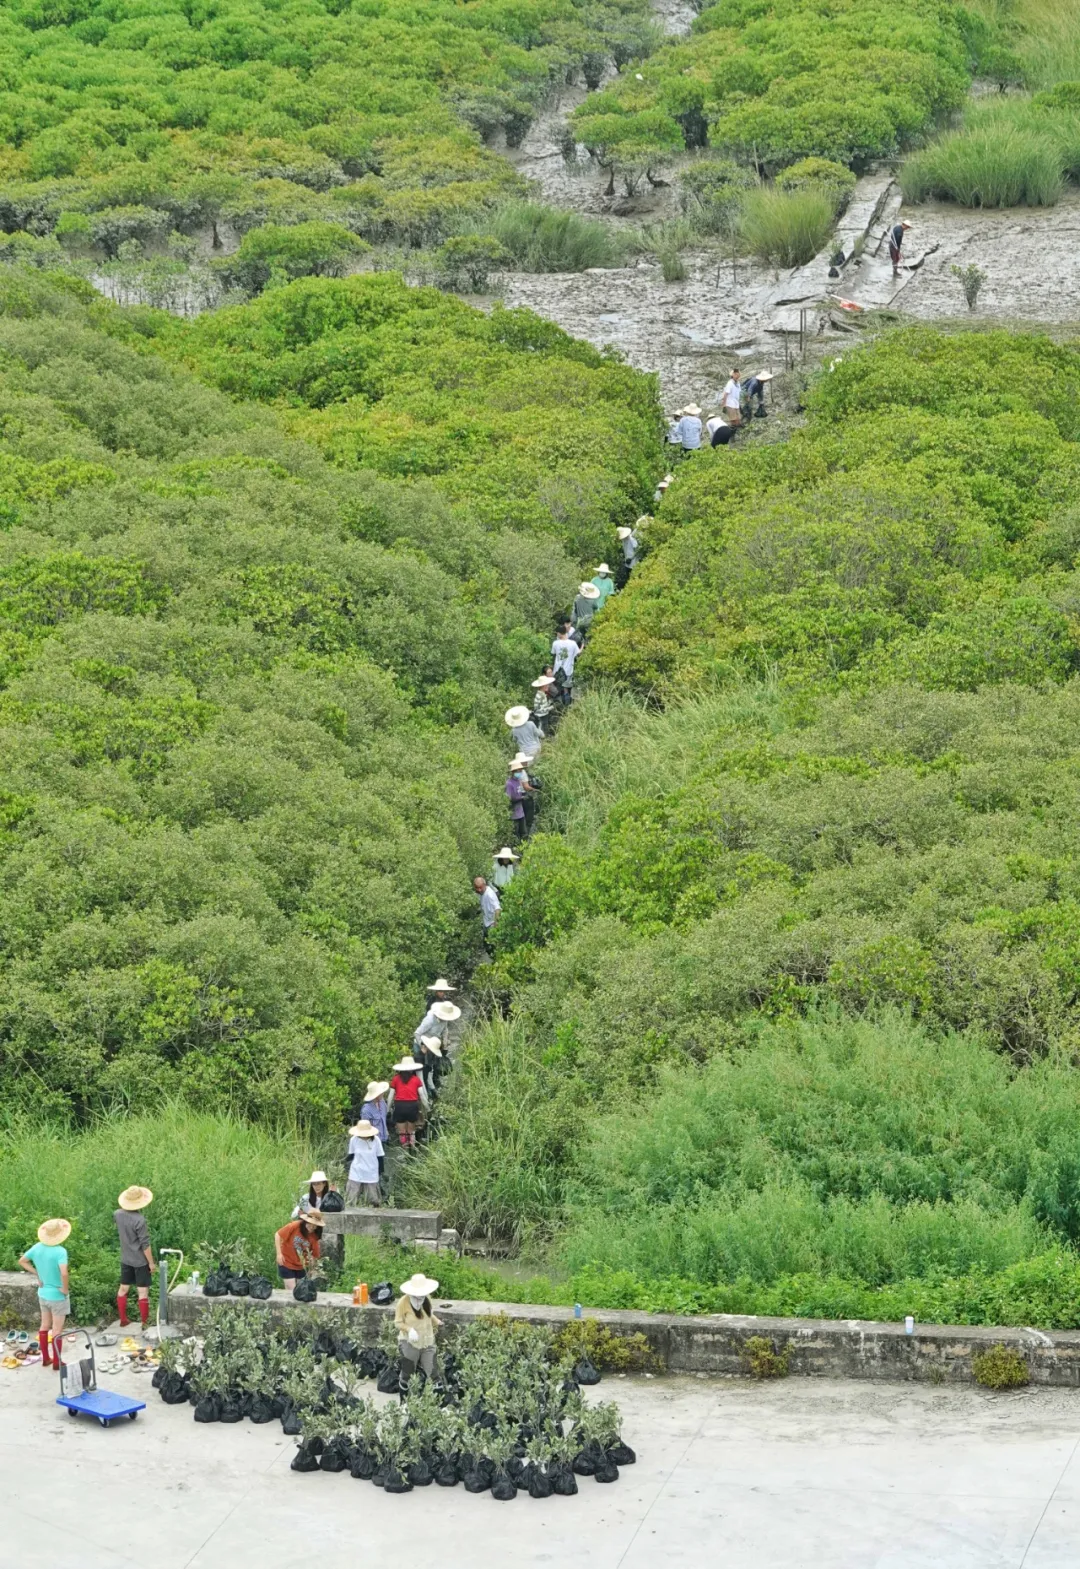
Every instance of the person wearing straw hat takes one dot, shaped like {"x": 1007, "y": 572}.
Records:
{"x": 544, "y": 707}
{"x": 528, "y": 737}
{"x": 586, "y": 604}
{"x": 437, "y": 1021}
{"x": 47, "y": 1261}
{"x": 362, "y": 1165}
{"x": 630, "y": 544}
{"x": 731, "y": 398}
{"x": 661, "y": 489}
{"x": 318, "y": 1186}
{"x": 519, "y": 792}
{"x": 416, "y": 1326}
{"x": 296, "y": 1245}
{"x": 690, "y": 428}
{"x": 602, "y": 580}
{"x": 374, "y": 1111}
{"x": 136, "y": 1255}
{"x": 896, "y": 244}
{"x": 441, "y": 989}
{"x": 503, "y": 867}
{"x": 430, "y": 1059}
{"x": 755, "y": 388}
{"x": 407, "y": 1100}
{"x": 673, "y": 435}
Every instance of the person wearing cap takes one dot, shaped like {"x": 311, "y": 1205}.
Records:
{"x": 318, "y": 1186}
{"x": 755, "y": 388}
{"x": 416, "y": 1325}
{"x": 602, "y": 580}
{"x": 731, "y": 398}
{"x": 296, "y": 1245}
{"x": 407, "y": 1099}
{"x": 896, "y": 244}
{"x": 136, "y": 1255}
{"x": 362, "y": 1165}
{"x": 503, "y": 867}
{"x": 564, "y": 652}
{"x": 545, "y": 709}
{"x": 661, "y": 489}
{"x": 720, "y": 435}
{"x": 690, "y": 428}
{"x": 47, "y": 1261}
{"x": 527, "y": 735}
{"x": 586, "y": 604}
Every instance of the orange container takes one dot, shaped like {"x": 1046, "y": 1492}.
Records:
{"x": 363, "y": 1293}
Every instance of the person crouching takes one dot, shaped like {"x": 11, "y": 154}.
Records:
{"x": 296, "y": 1245}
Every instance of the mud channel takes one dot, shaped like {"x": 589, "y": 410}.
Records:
{"x": 722, "y": 314}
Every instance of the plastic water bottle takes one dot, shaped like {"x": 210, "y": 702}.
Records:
{"x": 194, "y": 1282}
{"x": 909, "y": 1325}
{"x": 577, "y": 1309}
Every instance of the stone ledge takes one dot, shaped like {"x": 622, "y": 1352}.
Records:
{"x": 716, "y": 1343}
{"x": 18, "y": 1298}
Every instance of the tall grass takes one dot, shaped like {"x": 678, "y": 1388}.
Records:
{"x": 1003, "y": 157}
{"x": 787, "y": 228}
{"x": 1044, "y": 33}
{"x": 548, "y": 239}
{"x": 214, "y": 1178}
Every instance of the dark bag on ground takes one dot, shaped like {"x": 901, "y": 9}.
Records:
{"x": 306, "y": 1457}
{"x": 382, "y": 1294}
{"x": 395, "y": 1482}
{"x": 239, "y": 1285}
{"x": 585, "y": 1374}
{"x": 208, "y": 1409}
{"x": 363, "y": 1465}
{"x": 564, "y": 1482}
{"x": 173, "y": 1388}
{"x": 332, "y": 1203}
{"x": 304, "y": 1291}
{"x": 503, "y": 1488}
{"x": 621, "y": 1454}
{"x": 446, "y": 1474}
{"x": 420, "y": 1474}
{"x": 261, "y": 1410}
{"x": 217, "y": 1284}
{"x": 335, "y": 1457}
{"x": 605, "y": 1471}
{"x": 290, "y": 1422}
{"x": 231, "y": 1410}
{"x": 389, "y": 1379}
{"x": 259, "y": 1288}
{"x": 540, "y": 1484}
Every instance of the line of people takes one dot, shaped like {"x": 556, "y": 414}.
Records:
{"x": 685, "y": 428}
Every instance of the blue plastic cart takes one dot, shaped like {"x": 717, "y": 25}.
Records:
{"x": 79, "y": 1392}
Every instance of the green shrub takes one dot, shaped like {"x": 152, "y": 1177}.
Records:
{"x": 1002, "y": 1367}
{"x": 605, "y": 1348}
{"x": 822, "y": 174}
{"x": 546, "y": 239}
{"x": 277, "y": 254}
{"x": 711, "y": 193}
{"x": 992, "y": 165}
{"x": 466, "y": 261}
{"x": 763, "y": 1359}
{"x": 787, "y": 228}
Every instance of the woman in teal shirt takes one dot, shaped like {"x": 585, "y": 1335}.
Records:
{"x": 48, "y": 1261}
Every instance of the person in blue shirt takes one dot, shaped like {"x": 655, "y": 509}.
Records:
{"x": 47, "y": 1261}
{"x": 690, "y": 428}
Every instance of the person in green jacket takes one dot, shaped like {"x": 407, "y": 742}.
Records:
{"x": 603, "y": 580}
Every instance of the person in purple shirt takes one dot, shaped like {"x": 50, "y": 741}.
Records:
{"x": 374, "y": 1111}
{"x": 516, "y": 790}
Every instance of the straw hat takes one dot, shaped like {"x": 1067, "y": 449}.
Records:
{"x": 623, "y": 533}
{"x": 441, "y": 985}
{"x": 765, "y": 375}
{"x": 644, "y": 520}
{"x": 135, "y": 1198}
{"x": 407, "y": 1065}
{"x": 665, "y": 482}
{"x": 419, "y": 1286}
{"x": 446, "y": 1011}
{"x": 603, "y": 567}
{"x": 516, "y": 716}
{"x": 506, "y": 854}
{"x": 692, "y": 408}
{"x": 364, "y": 1129}
{"x": 312, "y": 1217}
{"x": 521, "y": 760}
{"x": 53, "y": 1232}
{"x": 318, "y": 1176}
{"x": 376, "y": 1088}
{"x": 678, "y": 414}
{"x": 432, "y": 1043}
{"x": 904, "y": 223}
{"x": 544, "y": 681}
{"x": 589, "y": 591}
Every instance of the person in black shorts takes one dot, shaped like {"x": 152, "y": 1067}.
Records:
{"x": 136, "y": 1255}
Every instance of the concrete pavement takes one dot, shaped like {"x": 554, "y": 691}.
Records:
{"x": 801, "y": 1474}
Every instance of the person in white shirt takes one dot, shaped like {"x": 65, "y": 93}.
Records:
{"x": 490, "y": 908}
{"x": 731, "y": 397}
{"x": 503, "y": 867}
{"x": 720, "y": 435}
{"x": 564, "y": 652}
{"x": 365, "y": 1147}
{"x": 437, "y": 1021}
{"x": 690, "y": 428}
{"x": 630, "y": 547}
{"x": 674, "y": 434}
{"x": 661, "y": 489}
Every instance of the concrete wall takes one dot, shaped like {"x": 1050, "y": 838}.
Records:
{"x": 823, "y": 1348}
{"x": 18, "y": 1300}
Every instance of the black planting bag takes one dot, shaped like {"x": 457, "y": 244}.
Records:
{"x": 306, "y": 1457}
{"x": 585, "y": 1374}
{"x": 621, "y": 1454}
{"x": 515, "y": 1468}
{"x": 378, "y": 1358}
{"x": 290, "y": 1422}
{"x": 232, "y": 1410}
{"x": 395, "y": 1482}
{"x": 365, "y": 1363}
{"x": 332, "y": 1203}
{"x": 564, "y": 1482}
{"x": 584, "y": 1464}
{"x": 217, "y": 1284}
{"x": 446, "y": 1474}
{"x": 159, "y": 1374}
{"x": 606, "y": 1472}
{"x": 389, "y": 1379}
{"x": 540, "y": 1484}
{"x": 304, "y": 1291}
{"x": 261, "y": 1410}
{"x": 239, "y": 1285}
{"x": 174, "y": 1389}
{"x": 277, "y": 1406}
{"x": 420, "y": 1474}
{"x": 382, "y": 1294}
{"x": 335, "y": 1457}
{"x": 363, "y": 1466}
{"x": 208, "y": 1409}
{"x": 503, "y": 1488}
{"x": 476, "y": 1482}
{"x": 259, "y": 1288}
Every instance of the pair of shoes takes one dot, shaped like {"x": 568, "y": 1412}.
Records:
{"x": 105, "y": 1340}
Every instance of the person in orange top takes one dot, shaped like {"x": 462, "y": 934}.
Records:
{"x": 298, "y": 1244}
